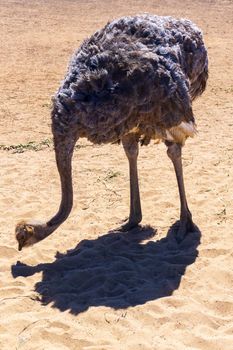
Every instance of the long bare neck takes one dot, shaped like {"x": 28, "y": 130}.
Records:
{"x": 64, "y": 147}
{"x": 42, "y": 231}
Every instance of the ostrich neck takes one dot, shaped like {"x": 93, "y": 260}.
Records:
{"x": 43, "y": 231}
{"x": 64, "y": 151}
{"x": 66, "y": 199}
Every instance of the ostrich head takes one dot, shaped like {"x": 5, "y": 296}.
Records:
{"x": 28, "y": 234}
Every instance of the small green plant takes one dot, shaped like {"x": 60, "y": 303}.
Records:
{"x": 34, "y": 146}
{"x": 111, "y": 175}
{"x": 30, "y": 146}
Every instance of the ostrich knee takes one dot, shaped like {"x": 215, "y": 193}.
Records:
{"x": 174, "y": 151}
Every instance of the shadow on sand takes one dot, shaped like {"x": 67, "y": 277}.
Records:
{"x": 116, "y": 270}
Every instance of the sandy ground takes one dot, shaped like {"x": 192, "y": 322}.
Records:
{"x": 86, "y": 286}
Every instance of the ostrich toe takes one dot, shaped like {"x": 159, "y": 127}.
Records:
{"x": 185, "y": 227}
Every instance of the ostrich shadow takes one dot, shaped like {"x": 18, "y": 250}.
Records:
{"x": 117, "y": 270}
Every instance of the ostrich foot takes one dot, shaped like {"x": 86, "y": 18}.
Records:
{"x": 186, "y": 226}
{"x": 128, "y": 225}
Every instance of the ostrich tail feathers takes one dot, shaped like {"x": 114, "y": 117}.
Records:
{"x": 181, "y": 132}
{"x": 188, "y": 128}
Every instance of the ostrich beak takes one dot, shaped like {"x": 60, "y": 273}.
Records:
{"x": 20, "y": 246}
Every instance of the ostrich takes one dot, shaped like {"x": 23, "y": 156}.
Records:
{"x": 132, "y": 81}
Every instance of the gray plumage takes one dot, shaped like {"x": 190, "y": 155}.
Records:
{"x": 141, "y": 71}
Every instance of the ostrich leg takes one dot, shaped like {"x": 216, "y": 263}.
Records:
{"x": 186, "y": 224}
{"x": 130, "y": 145}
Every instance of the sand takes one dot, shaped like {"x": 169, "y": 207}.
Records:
{"x": 89, "y": 286}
